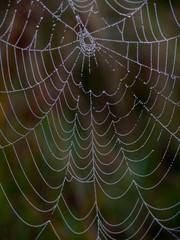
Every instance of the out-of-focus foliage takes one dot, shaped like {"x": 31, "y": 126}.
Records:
{"x": 28, "y": 152}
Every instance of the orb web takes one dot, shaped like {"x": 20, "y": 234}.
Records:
{"x": 89, "y": 112}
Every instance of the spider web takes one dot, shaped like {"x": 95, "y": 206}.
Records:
{"x": 89, "y": 119}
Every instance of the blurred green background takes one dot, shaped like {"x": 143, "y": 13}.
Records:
{"x": 37, "y": 120}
